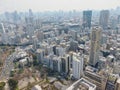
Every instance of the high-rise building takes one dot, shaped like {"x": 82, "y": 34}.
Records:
{"x": 118, "y": 19}
{"x": 95, "y": 45}
{"x": 4, "y": 35}
{"x": 104, "y": 17}
{"x": 60, "y": 51}
{"x": 40, "y": 55}
{"x": 87, "y": 15}
{"x": 77, "y": 69}
{"x": 65, "y": 64}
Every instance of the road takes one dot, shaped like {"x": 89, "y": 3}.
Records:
{"x": 7, "y": 67}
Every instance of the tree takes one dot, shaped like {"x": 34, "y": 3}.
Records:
{"x": 13, "y": 84}
{"x": 1, "y": 63}
{"x": 35, "y": 61}
{"x": 34, "y": 57}
{"x": 2, "y": 84}
{"x": 12, "y": 73}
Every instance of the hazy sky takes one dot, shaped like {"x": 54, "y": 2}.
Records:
{"x": 43, "y": 5}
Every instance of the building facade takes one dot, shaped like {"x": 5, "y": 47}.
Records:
{"x": 95, "y": 45}
{"x": 104, "y": 17}
{"x": 87, "y": 15}
{"x": 77, "y": 66}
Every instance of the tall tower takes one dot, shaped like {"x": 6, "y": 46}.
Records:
{"x": 77, "y": 64}
{"x": 87, "y": 15}
{"x": 95, "y": 45}
{"x": 104, "y": 17}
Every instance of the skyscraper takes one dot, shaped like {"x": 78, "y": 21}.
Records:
{"x": 104, "y": 17}
{"x": 87, "y": 15}
{"x": 95, "y": 45}
{"x": 65, "y": 64}
{"x": 77, "y": 66}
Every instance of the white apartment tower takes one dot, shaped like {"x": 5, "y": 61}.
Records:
{"x": 77, "y": 69}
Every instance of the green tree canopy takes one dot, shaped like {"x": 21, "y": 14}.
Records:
{"x": 13, "y": 84}
{"x": 2, "y": 84}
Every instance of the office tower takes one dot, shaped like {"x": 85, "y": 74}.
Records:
{"x": 4, "y": 35}
{"x": 15, "y": 16}
{"x": 87, "y": 15}
{"x": 1, "y": 28}
{"x": 30, "y": 12}
{"x": 95, "y": 45}
{"x": 30, "y": 18}
{"x": 104, "y": 17}
{"x": 77, "y": 69}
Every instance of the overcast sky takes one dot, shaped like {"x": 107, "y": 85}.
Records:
{"x": 46, "y": 5}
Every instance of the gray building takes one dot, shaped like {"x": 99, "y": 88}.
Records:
{"x": 87, "y": 15}
{"x": 104, "y": 17}
{"x": 95, "y": 45}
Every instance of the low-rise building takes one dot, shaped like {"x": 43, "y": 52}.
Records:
{"x": 82, "y": 84}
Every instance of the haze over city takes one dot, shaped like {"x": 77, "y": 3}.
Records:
{"x": 51, "y": 5}
{"x": 59, "y": 44}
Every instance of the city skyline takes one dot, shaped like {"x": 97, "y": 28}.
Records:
{"x": 55, "y": 5}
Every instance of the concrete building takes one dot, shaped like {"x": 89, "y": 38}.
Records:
{"x": 40, "y": 55}
{"x": 118, "y": 84}
{"x": 103, "y": 39}
{"x": 111, "y": 82}
{"x": 55, "y": 63}
{"x": 99, "y": 80}
{"x": 73, "y": 33}
{"x": 77, "y": 69}
{"x": 65, "y": 64}
{"x": 36, "y": 87}
{"x": 103, "y": 20}
{"x": 87, "y": 15}
{"x": 118, "y": 19}
{"x": 82, "y": 84}
{"x": 73, "y": 45}
{"x": 95, "y": 45}
{"x": 60, "y": 51}
{"x": 40, "y": 35}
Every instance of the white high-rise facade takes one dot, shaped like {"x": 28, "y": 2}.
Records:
{"x": 77, "y": 69}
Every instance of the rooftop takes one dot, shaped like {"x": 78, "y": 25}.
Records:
{"x": 82, "y": 84}
{"x": 118, "y": 81}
